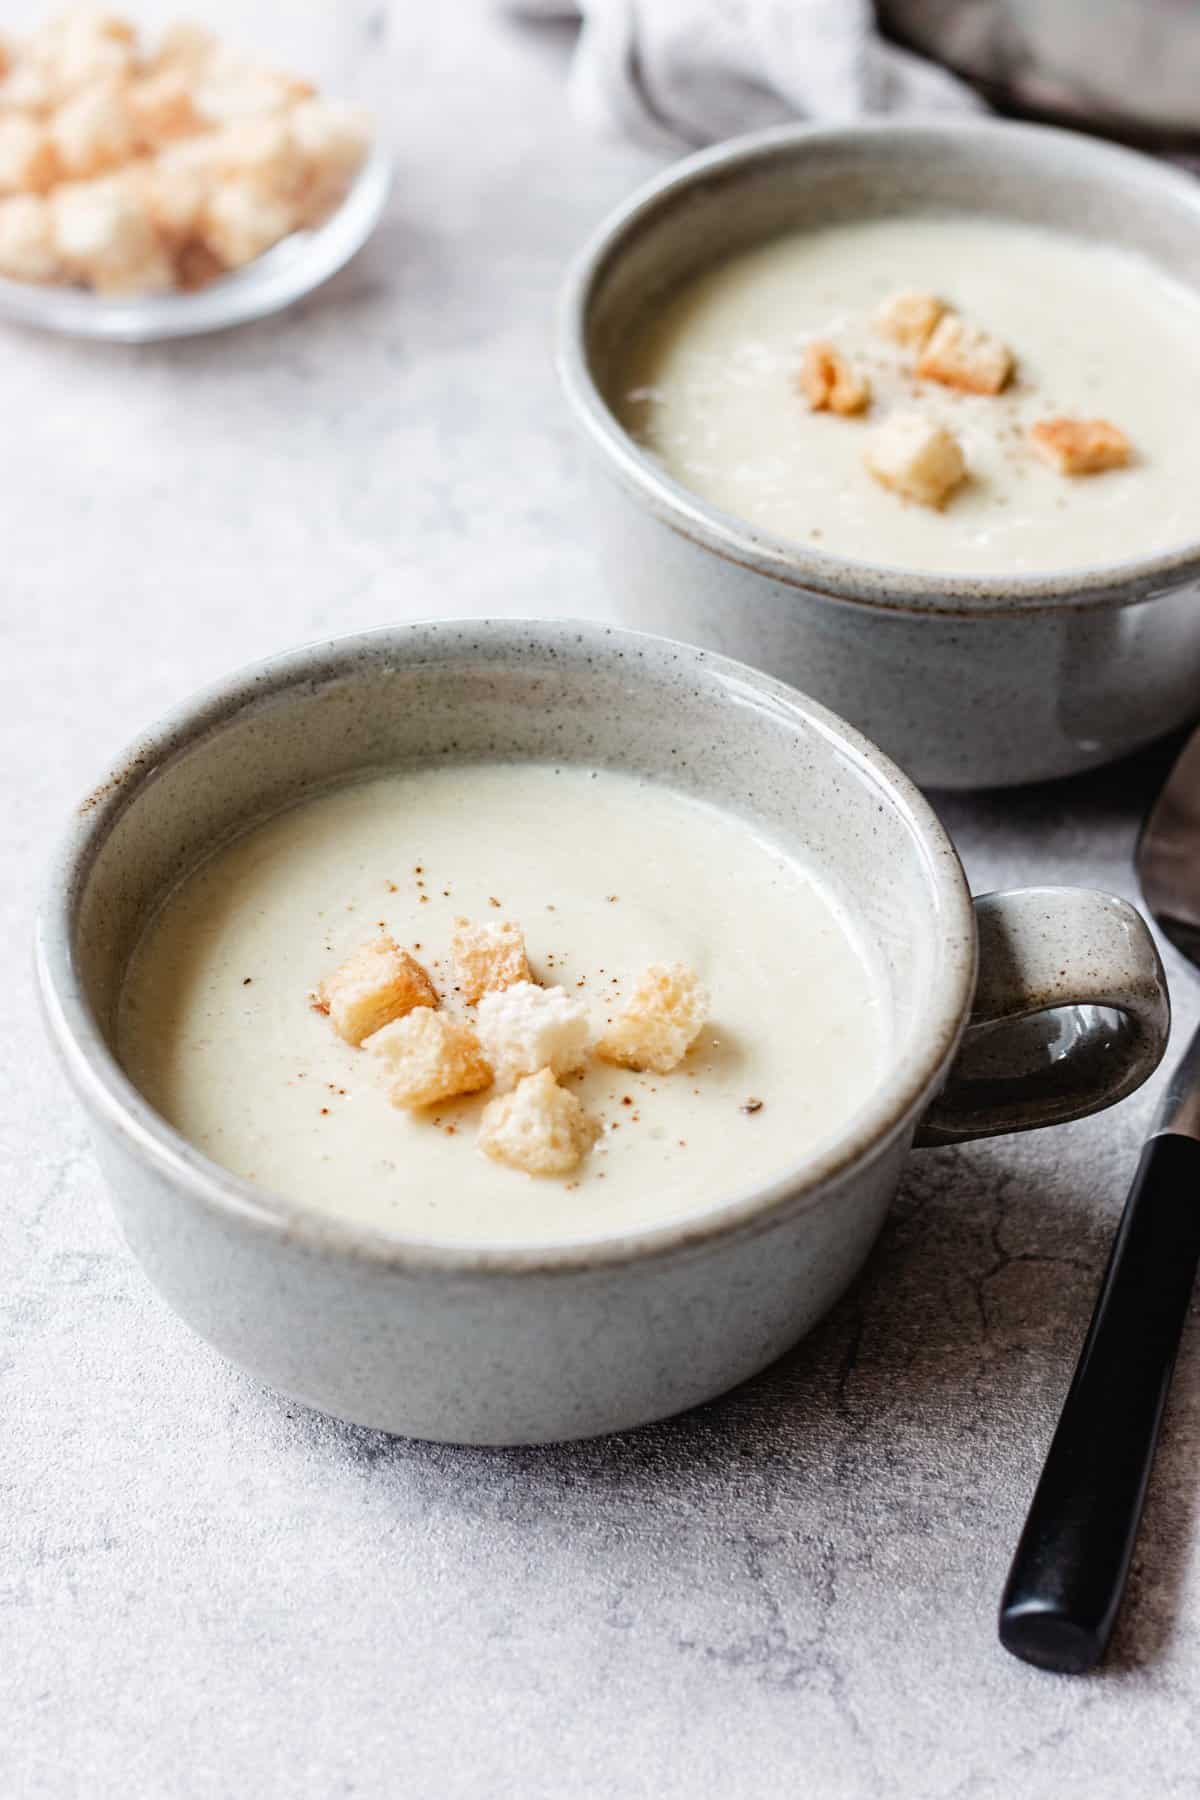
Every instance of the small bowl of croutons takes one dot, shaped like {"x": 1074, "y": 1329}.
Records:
{"x": 160, "y": 185}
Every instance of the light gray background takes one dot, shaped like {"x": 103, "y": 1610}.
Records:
{"x": 207, "y": 1591}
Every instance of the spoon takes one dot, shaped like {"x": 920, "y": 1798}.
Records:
{"x": 1068, "y": 1575}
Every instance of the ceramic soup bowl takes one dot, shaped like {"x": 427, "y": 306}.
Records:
{"x": 966, "y": 680}
{"x": 491, "y": 1344}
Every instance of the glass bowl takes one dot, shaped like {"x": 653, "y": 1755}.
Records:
{"x": 337, "y": 46}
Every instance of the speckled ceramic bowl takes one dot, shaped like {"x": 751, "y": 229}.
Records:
{"x": 966, "y": 681}
{"x": 490, "y": 1344}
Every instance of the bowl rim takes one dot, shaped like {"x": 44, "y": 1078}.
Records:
{"x": 846, "y": 580}
{"x": 280, "y": 278}
{"x": 111, "y": 1100}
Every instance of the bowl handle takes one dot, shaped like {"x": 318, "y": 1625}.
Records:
{"x": 1070, "y": 1015}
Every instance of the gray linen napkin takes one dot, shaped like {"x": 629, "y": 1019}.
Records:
{"x": 667, "y": 73}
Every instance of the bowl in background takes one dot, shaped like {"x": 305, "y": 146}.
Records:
{"x": 967, "y": 681}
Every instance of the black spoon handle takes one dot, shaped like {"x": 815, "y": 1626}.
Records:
{"x": 1068, "y": 1575}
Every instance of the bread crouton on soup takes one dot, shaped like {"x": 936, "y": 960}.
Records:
{"x": 525, "y": 1028}
{"x": 908, "y": 318}
{"x": 916, "y": 457}
{"x": 380, "y": 982}
{"x": 659, "y": 1022}
{"x": 538, "y": 1127}
{"x": 830, "y": 382}
{"x": 1080, "y": 446}
{"x": 428, "y": 1057}
{"x": 488, "y": 957}
{"x": 962, "y": 356}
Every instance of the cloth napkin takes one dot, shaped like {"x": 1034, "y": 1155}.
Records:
{"x": 672, "y": 73}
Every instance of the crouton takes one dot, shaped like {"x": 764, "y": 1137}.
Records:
{"x": 179, "y": 183}
{"x": 161, "y": 109}
{"x": 184, "y": 49}
{"x": 524, "y": 1028}
{"x": 27, "y": 251}
{"x": 153, "y": 273}
{"x": 25, "y": 89}
{"x": 908, "y": 318}
{"x": 379, "y": 983}
{"x": 915, "y": 456}
{"x": 82, "y": 47}
{"x": 829, "y": 381}
{"x": 102, "y": 228}
{"x": 230, "y": 88}
{"x": 195, "y": 268}
{"x": 28, "y": 164}
{"x": 659, "y": 1022}
{"x": 263, "y": 149}
{"x": 488, "y": 958}
{"x": 539, "y": 1127}
{"x": 1080, "y": 446}
{"x": 240, "y": 221}
{"x": 961, "y": 356}
{"x": 93, "y": 132}
{"x": 429, "y": 1057}
{"x": 333, "y": 140}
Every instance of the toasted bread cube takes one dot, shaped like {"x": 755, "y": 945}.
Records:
{"x": 82, "y": 47}
{"x": 263, "y": 150}
{"x": 334, "y": 140}
{"x": 429, "y": 1057}
{"x": 28, "y": 164}
{"x": 830, "y": 382}
{"x": 180, "y": 180}
{"x": 660, "y": 1020}
{"x": 102, "y": 228}
{"x": 908, "y": 318}
{"x": 915, "y": 456}
{"x": 539, "y": 1127}
{"x": 230, "y": 89}
{"x": 93, "y": 132}
{"x": 25, "y": 89}
{"x": 379, "y": 983}
{"x": 488, "y": 957}
{"x": 153, "y": 273}
{"x": 1080, "y": 446}
{"x": 961, "y": 356}
{"x": 184, "y": 49}
{"x": 525, "y": 1028}
{"x": 27, "y": 251}
{"x": 240, "y": 221}
{"x": 196, "y": 267}
{"x": 161, "y": 108}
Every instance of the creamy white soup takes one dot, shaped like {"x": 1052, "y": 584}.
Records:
{"x": 1097, "y": 333}
{"x": 606, "y": 874}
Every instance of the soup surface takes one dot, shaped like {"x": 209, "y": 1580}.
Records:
{"x": 711, "y": 392}
{"x": 605, "y": 873}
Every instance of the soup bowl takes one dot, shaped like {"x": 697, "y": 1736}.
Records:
{"x": 967, "y": 680}
{"x": 1020, "y": 1009}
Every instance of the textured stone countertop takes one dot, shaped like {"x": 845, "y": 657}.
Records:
{"x": 206, "y": 1591}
